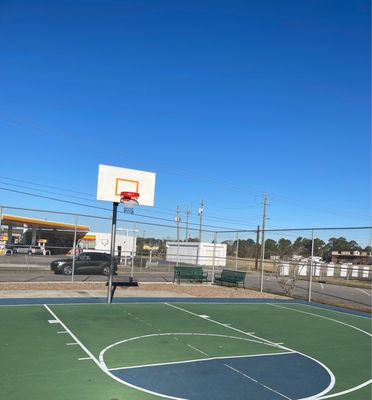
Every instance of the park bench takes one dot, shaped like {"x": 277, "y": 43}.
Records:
{"x": 229, "y": 277}
{"x": 189, "y": 273}
{"x": 115, "y": 284}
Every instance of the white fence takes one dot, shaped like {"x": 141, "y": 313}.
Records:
{"x": 330, "y": 270}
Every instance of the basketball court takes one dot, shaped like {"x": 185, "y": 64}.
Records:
{"x": 182, "y": 349}
{"x": 178, "y": 348}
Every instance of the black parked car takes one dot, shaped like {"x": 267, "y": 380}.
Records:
{"x": 85, "y": 263}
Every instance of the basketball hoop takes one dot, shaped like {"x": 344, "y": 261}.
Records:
{"x": 129, "y": 199}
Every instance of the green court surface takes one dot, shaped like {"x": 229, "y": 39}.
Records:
{"x": 183, "y": 350}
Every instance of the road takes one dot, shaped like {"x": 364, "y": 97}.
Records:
{"x": 344, "y": 296}
{"x": 23, "y": 268}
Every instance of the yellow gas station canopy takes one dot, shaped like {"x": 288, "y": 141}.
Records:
{"x": 39, "y": 223}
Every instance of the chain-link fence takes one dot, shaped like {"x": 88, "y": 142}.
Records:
{"x": 330, "y": 265}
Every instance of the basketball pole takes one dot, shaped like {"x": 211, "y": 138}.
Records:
{"x": 113, "y": 237}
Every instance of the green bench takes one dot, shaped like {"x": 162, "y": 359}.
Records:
{"x": 189, "y": 273}
{"x": 229, "y": 277}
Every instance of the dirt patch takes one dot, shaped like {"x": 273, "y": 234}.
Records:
{"x": 193, "y": 290}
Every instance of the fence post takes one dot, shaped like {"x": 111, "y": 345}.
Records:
{"x": 74, "y": 250}
{"x": 237, "y": 250}
{"x": 134, "y": 243}
{"x": 263, "y": 242}
{"x": 311, "y": 264}
{"x": 143, "y": 243}
{"x": 214, "y": 255}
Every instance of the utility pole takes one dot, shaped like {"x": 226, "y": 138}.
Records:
{"x": 178, "y": 220}
{"x": 187, "y": 224}
{"x": 200, "y": 214}
{"x": 263, "y": 242}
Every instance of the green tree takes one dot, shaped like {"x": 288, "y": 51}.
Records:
{"x": 297, "y": 246}
{"x": 284, "y": 248}
{"x": 271, "y": 248}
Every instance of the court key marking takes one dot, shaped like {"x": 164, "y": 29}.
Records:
{"x": 317, "y": 396}
{"x": 353, "y": 389}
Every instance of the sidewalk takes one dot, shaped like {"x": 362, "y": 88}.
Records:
{"x": 145, "y": 289}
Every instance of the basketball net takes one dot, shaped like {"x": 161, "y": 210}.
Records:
{"x": 129, "y": 200}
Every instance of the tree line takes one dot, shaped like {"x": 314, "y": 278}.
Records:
{"x": 285, "y": 248}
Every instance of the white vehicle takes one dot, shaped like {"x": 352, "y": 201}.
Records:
{"x": 27, "y": 249}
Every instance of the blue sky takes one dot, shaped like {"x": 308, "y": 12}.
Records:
{"x": 224, "y": 100}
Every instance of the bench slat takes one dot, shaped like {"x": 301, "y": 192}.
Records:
{"x": 229, "y": 276}
{"x": 189, "y": 273}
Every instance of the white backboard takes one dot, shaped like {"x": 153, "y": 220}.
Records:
{"x": 114, "y": 180}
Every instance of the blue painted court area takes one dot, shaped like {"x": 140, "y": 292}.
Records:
{"x": 266, "y": 377}
{"x": 194, "y": 349}
{"x": 125, "y": 300}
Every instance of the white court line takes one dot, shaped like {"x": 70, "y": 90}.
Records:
{"x": 258, "y": 382}
{"x": 366, "y": 383}
{"x": 102, "y": 366}
{"x": 364, "y": 291}
{"x": 200, "y": 351}
{"x": 320, "y": 316}
{"x": 322, "y": 286}
{"x": 228, "y": 326}
{"x": 102, "y": 361}
{"x": 201, "y": 360}
{"x": 269, "y": 343}
{"x": 325, "y": 309}
{"x": 74, "y": 337}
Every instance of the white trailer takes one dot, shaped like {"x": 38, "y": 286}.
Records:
{"x": 195, "y": 253}
{"x": 125, "y": 245}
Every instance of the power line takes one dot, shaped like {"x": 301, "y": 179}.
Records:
{"x": 43, "y": 191}
{"x": 167, "y": 212}
{"x": 100, "y": 208}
